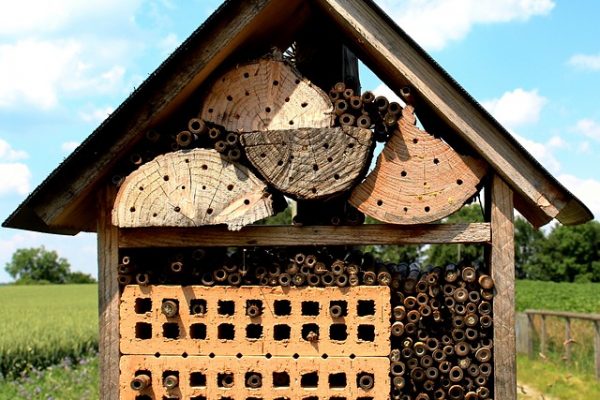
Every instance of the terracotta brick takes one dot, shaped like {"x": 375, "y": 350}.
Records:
{"x": 146, "y": 330}
{"x": 199, "y": 377}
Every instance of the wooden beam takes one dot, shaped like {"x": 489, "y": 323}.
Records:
{"x": 396, "y": 58}
{"x": 305, "y": 236}
{"x": 502, "y": 268}
{"x": 108, "y": 297}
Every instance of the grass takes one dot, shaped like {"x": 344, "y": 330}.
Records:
{"x": 43, "y": 325}
{"x": 575, "y": 297}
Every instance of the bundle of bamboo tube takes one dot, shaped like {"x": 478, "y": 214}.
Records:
{"x": 364, "y": 111}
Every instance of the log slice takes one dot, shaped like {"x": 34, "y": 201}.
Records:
{"x": 310, "y": 163}
{"x": 418, "y": 178}
{"x": 191, "y": 188}
{"x": 265, "y": 95}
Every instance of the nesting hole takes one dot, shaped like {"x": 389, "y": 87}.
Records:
{"x": 336, "y": 177}
{"x": 177, "y": 209}
{"x": 403, "y": 174}
{"x": 143, "y": 330}
{"x": 142, "y": 306}
{"x": 427, "y": 209}
{"x": 379, "y": 203}
{"x": 247, "y": 202}
{"x": 436, "y": 161}
{"x": 143, "y": 397}
{"x": 197, "y": 307}
{"x": 246, "y": 75}
{"x": 338, "y": 332}
{"x": 226, "y": 307}
{"x": 254, "y": 331}
{"x": 132, "y": 209}
{"x": 197, "y": 379}
{"x": 365, "y": 307}
{"x": 342, "y": 304}
{"x": 171, "y": 330}
{"x": 268, "y": 109}
{"x": 281, "y": 332}
{"x": 281, "y": 379}
{"x": 226, "y": 331}
{"x": 229, "y": 98}
{"x": 282, "y": 307}
{"x": 459, "y": 182}
{"x": 304, "y": 105}
{"x": 337, "y": 381}
{"x": 275, "y": 83}
{"x": 415, "y": 140}
{"x": 166, "y": 178}
{"x": 198, "y": 331}
{"x": 209, "y": 211}
{"x": 309, "y": 380}
{"x": 225, "y": 379}
{"x": 280, "y": 163}
{"x": 366, "y": 333}
{"x": 310, "y": 308}
{"x": 253, "y": 380}
{"x": 308, "y": 328}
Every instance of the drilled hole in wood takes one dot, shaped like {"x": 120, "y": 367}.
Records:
{"x": 287, "y": 99}
{"x": 459, "y": 182}
{"x": 141, "y": 188}
{"x": 403, "y": 173}
{"x": 166, "y": 178}
{"x": 310, "y": 380}
{"x": 142, "y": 306}
{"x": 268, "y": 109}
{"x": 337, "y": 381}
{"x": 379, "y": 203}
{"x": 281, "y": 379}
{"x": 405, "y": 209}
{"x": 209, "y": 211}
{"x": 197, "y": 379}
{"x": 310, "y": 308}
{"x": 132, "y": 209}
{"x": 268, "y": 356}
{"x": 338, "y": 332}
{"x": 226, "y": 331}
{"x": 415, "y": 140}
{"x": 143, "y": 330}
{"x": 304, "y": 105}
{"x": 336, "y": 176}
{"x": 314, "y": 190}
{"x": 275, "y": 83}
{"x": 171, "y": 330}
{"x": 210, "y": 110}
{"x": 291, "y": 122}
{"x": 436, "y": 161}
{"x": 329, "y": 159}
{"x": 281, "y": 332}
{"x": 263, "y": 155}
{"x": 282, "y": 307}
{"x": 254, "y": 331}
{"x": 315, "y": 167}
{"x": 297, "y": 81}
{"x": 155, "y": 215}
{"x": 203, "y": 187}
{"x": 246, "y": 202}
{"x": 229, "y": 98}
{"x": 427, "y": 209}
{"x": 177, "y": 209}
{"x": 246, "y": 75}
{"x": 204, "y": 167}
{"x": 182, "y": 187}
{"x": 230, "y": 187}
{"x": 350, "y": 145}
{"x": 280, "y": 163}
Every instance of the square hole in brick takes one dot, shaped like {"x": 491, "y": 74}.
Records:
{"x": 198, "y": 331}
{"x": 198, "y": 307}
{"x": 366, "y": 333}
{"x": 170, "y": 307}
{"x": 281, "y": 332}
{"x": 254, "y": 331}
{"x": 225, "y": 380}
{"x": 310, "y": 308}
{"x": 226, "y": 331}
{"x": 197, "y": 379}
{"x": 171, "y": 330}
{"x": 338, "y": 332}
{"x": 365, "y": 307}
{"x": 142, "y": 305}
{"x": 337, "y": 398}
{"x": 337, "y": 381}
{"x": 282, "y": 307}
{"x": 198, "y": 398}
{"x": 167, "y": 377}
{"x": 281, "y": 379}
{"x": 254, "y": 398}
{"x": 226, "y": 307}
{"x": 309, "y": 380}
{"x": 308, "y": 328}
{"x": 338, "y": 306}
{"x": 143, "y": 397}
{"x": 311, "y": 398}
{"x": 225, "y": 398}
{"x": 281, "y": 398}
{"x": 365, "y": 380}
{"x": 253, "y": 380}
{"x": 364, "y": 398}
{"x": 143, "y": 330}
{"x": 254, "y": 308}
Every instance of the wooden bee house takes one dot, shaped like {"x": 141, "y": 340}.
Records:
{"x": 211, "y": 143}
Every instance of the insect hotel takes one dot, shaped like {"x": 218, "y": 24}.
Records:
{"x": 260, "y": 106}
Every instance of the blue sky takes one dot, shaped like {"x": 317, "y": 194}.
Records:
{"x": 66, "y": 64}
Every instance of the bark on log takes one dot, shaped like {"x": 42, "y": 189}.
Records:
{"x": 418, "y": 178}
{"x": 191, "y": 188}
{"x": 266, "y": 95}
{"x": 310, "y": 163}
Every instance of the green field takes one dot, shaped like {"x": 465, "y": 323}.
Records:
{"x": 57, "y": 326}
{"x": 42, "y": 325}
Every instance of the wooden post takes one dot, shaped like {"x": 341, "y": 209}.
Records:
{"x": 108, "y": 297}
{"x": 543, "y": 345}
{"x": 500, "y": 211}
{"x": 567, "y": 343}
{"x": 597, "y": 347}
{"x": 531, "y": 331}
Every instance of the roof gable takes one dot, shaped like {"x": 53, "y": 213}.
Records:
{"x": 65, "y": 203}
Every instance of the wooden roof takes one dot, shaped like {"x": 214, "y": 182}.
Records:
{"x": 66, "y": 201}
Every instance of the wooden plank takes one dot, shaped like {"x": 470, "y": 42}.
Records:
{"x": 502, "y": 269}
{"x": 543, "y": 337}
{"x": 597, "y": 348}
{"x": 568, "y": 339}
{"x": 391, "y": 55}
{"x": 305, "y": 235}
{"x": 108, "y": 297}
{"x": 565, "y": 314}
{"x": 238, "y": 23}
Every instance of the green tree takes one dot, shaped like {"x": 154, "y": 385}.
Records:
{"x": 38, "y": 265}
{"x": 527, "y": 243}
{"x": 395, "y": 254}
{"x": 569, "y": 253}
{"x": 443, "y": 254}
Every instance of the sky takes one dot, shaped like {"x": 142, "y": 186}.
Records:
{"x": 66, "y": 65}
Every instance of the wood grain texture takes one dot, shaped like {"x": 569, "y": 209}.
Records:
{"x": 108, "y": 297}
{"x": 381, "y": 45}
{"x": 191, "y": 188}
{"x": 502, "y": 269}
{"x": 310, "y": 163}
{"x": 418, "y": 178}
{"x": 306, "y": 235}
{"x": 265, "y": 95}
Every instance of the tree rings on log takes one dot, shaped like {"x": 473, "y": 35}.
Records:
{"x": 310, "y": 163}
{"x": 191, "y": 188}
{"x": 418, "y": 178}
{"x": 266, "y": 95}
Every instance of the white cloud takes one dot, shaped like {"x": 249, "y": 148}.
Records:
{"x": 556, "y": 142}
{"x": 584, "y": 147}
{"x": 168, "y": 44}
{"x": 96, "y": 115}
{"x": 68, "y": 147}
{"x": 435, "y": 23}
{"x": 14, "y": 177}
{"x": 589, "y": 128}
{"x": 541, "y": 151}
{"x": 516, "y": 108}
{"x": 587, "y": 62}
{"x": 7, "y": 153}
{"x": 587, "y": 190}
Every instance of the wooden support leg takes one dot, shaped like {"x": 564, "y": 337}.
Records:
{"x": 108, "y": 297}
{"x": 597, "y": 347}
{"x": 502, "y": 268}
